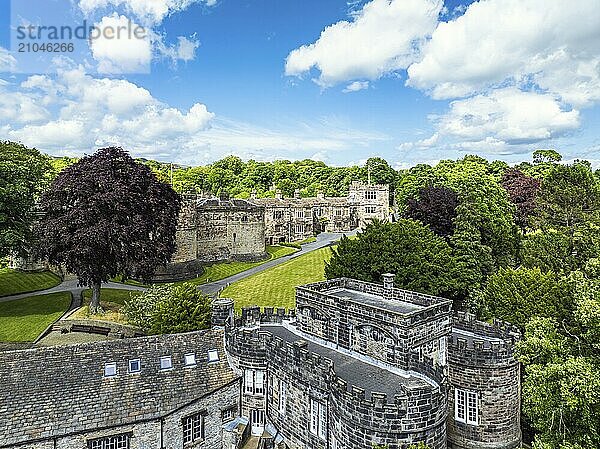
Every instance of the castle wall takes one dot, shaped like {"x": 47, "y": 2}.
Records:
{"x": 211, "y": 230}
{"x": 484, "y": 363}
{"x": 355, "y": 419}
{"x": 380, "y": 333}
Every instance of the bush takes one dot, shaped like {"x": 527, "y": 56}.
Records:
{"x": 291, "y": 244}
{"x": 166, "y": 309}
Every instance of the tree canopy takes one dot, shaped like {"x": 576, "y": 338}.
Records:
{"x": 107, "y": 215}
{"x": 420, "y": 259}
{"x": 23, "y": 175}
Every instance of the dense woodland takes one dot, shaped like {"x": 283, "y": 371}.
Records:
{"x": 519, "y": 243}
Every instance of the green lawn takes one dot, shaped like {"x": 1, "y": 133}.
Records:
{"x": 111, "y": 300}
{"x": 13, "y": 282}
{"x": 25, "y": 319}
{"x": 113, "y": 295}
{"x": 223, "y": 270}
{"x": 275, "y": 287}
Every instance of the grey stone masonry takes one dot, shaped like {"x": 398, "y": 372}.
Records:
{"x": 65, "y": 394}
{"x": 481, "y": 360}
{"x": 358, "y": 364}
{"x": 213, "y": 229}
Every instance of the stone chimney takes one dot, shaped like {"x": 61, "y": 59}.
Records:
{"x": 278, "y": 194}
{"x": 222, "y": 312}
{"x": 388, "y": 285}
{"x": 253, "y": 194}
{"x": 297, "y": 194}
{"x": 320, "y": 195}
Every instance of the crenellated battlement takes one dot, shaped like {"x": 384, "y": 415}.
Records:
{"x": 254, "y": 315}
{"x": 478, "y": 343}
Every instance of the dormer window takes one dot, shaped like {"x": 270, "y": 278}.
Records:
{"x": 166, "y": 362}
{"x": 110, "y": 369}
{"x": 213, "y": 355}
{"x": 190, "y": 359}
{"x": 135, "y": 366}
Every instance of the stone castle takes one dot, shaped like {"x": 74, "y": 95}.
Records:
{"x": 216, "y": 229}
{"x": 356, "y": 364}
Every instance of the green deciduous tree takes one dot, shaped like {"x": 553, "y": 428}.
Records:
{"x": 23, "y": 175}
{"x": 420, "y": 259}
{"x": 108, "y": 215}
{"x": 561, "y": 392}
{"x": 516, "y": 295}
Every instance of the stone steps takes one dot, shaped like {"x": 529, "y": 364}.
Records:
{"x": 252, "y": 443}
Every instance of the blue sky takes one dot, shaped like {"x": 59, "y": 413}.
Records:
{"x": 408, "y": 80}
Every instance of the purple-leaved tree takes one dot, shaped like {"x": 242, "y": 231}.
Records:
{"x": 108, "y": 215}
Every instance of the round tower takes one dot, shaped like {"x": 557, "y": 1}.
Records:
{"x": 484, "y": 378}
{"x": 222, "y": 312}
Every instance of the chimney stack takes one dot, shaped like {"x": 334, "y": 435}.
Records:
{"x": 278, "y": 194}
{"x": 320, "y": 195}
{"x": 253, "y": 194}
{"x": 388, "y": 285}
{"x": 297, "y": 194}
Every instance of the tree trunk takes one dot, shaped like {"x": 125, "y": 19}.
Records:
{"x": 95, "y": 301}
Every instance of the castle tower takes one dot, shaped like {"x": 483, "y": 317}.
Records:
{"x": 484, "y": 378}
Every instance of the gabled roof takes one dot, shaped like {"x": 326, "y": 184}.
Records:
{"x": 49, "y": 392}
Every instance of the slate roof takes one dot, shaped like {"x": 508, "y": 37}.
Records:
{"x": 302, "y": 202}
{"x": 231, "y": 203}
{"x": 364, "y": 375}
{"x": 48, "y": 392}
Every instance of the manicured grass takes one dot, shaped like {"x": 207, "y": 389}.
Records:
{"x": 13, "y": 282}
{"x": 111, "y": 301}
{"x": 223, "y": 270}
{"x": 275, "y": 287}
{"x": 113, "y": 295}
{"x": 308, "y": 240}
{"x": 25, "y": 319}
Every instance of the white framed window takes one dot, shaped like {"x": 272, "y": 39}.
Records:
{"x": 259, "y": 383}
{"x": 370, "y": 209}
{"x": 299, "y": 214}
{"x": 282, "y": 396}
{"x": 466, "y": 409}
{"x": 443, "y": 351}
{"x": 318, "y": 419}
{"x": 213, "y": 355}
{"x": 193, "y": 428}
{"x": 299, "y": 229}
{"x": 228, "y": 414}
{"x": 254, "y": 382}
{"x": 135, "y": 366}
{"x": 166, "y": 362}
{"x": 370, "y": 195}
{"x": 189, "y": 359}
{"x": 112, "y": 442}
{"x": 110, "y": 369}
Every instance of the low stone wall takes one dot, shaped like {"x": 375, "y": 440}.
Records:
{"x": 107, "y": 328}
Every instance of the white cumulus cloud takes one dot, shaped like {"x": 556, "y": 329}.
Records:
{"x": 83, "y": 112}
{"x": 148, "y": 11}
{"x": 7, "y": 61}
{"x": 509, "y": 115}
{"x": 356, "y": 86}
{"x": 118, "y": 49}
{"x": 384, "y": 36}
{"x": 547, "y": 42}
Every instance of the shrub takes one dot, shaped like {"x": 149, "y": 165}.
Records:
{"x": 165, "y": 309}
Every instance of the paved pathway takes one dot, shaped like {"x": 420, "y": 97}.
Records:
{"x": 323, "y": 240}
{"x": 69, "y": 285}
{"x": 212, "y": 288}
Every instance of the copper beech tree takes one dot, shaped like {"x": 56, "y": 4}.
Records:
{"x": 108, "y": 215}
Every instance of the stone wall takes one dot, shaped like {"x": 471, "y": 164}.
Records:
{"x": 484, "y": 363}
{"x": 380, "y": 333}
{"x": 353, "y": 421}
{"x": 215, "y": 229}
